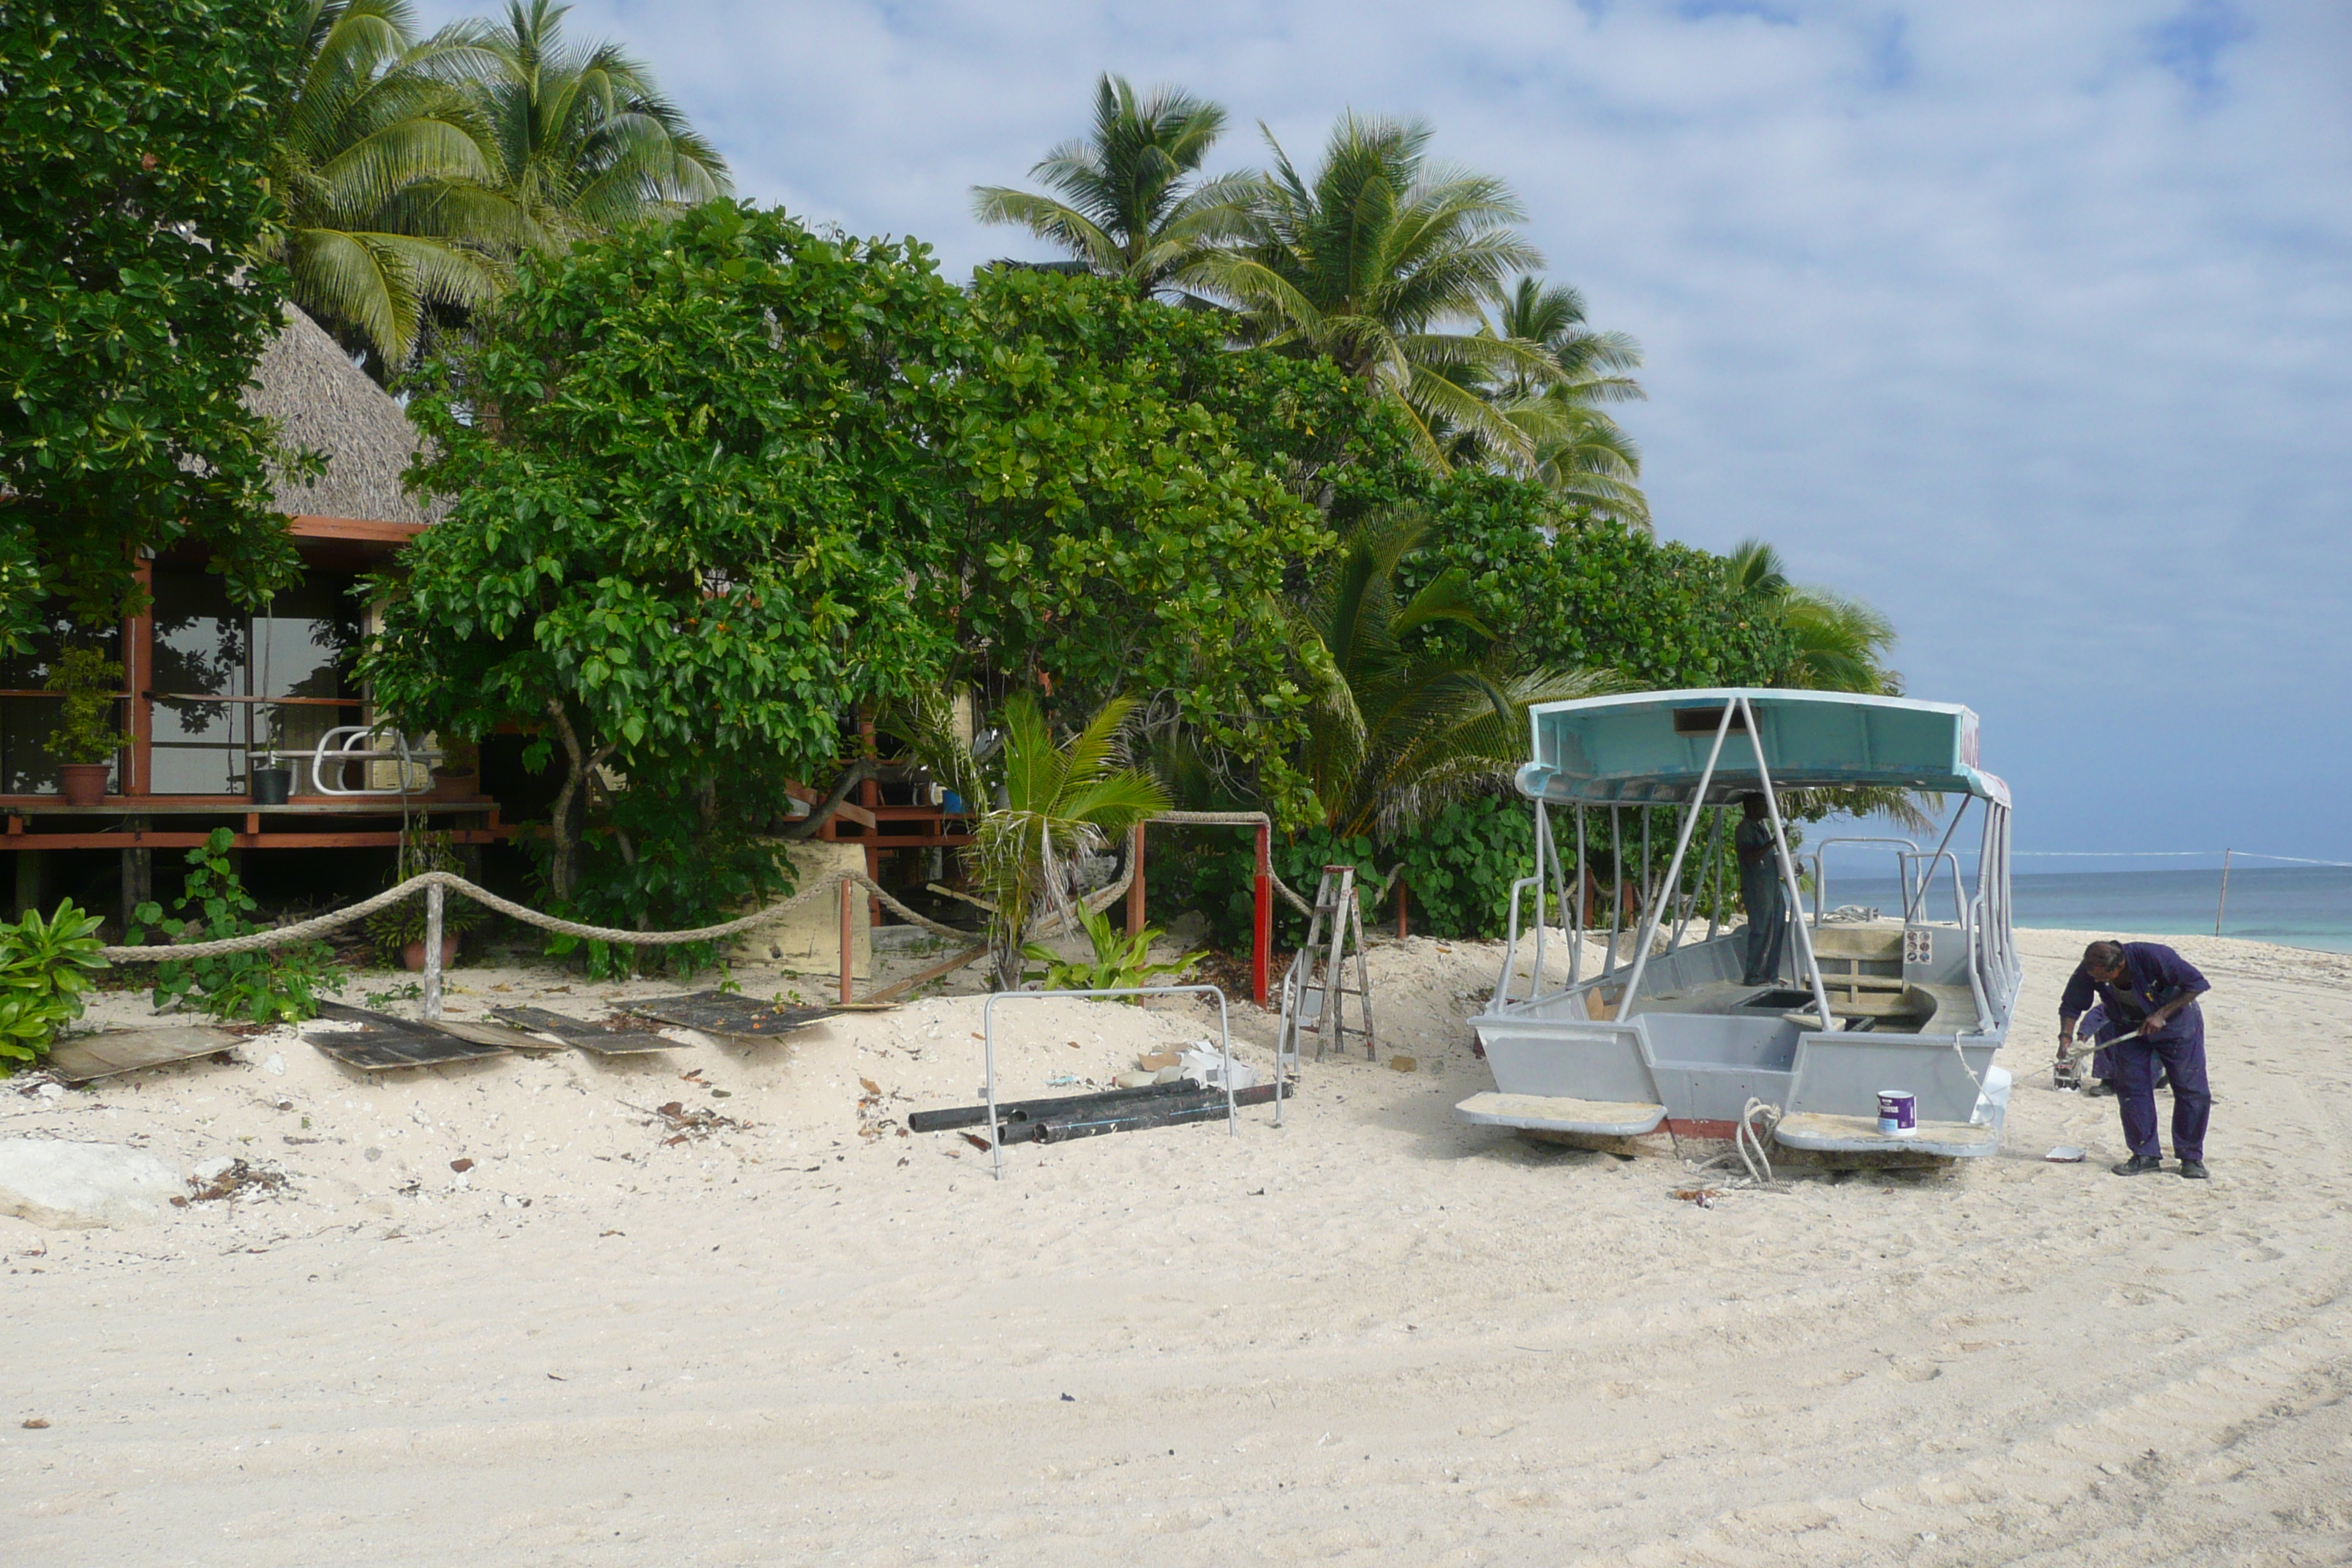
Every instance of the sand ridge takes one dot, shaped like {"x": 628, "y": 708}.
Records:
{"x": 1371, "y": 1335}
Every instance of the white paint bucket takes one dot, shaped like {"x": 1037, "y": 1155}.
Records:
{"x": 1898, "y": 1111}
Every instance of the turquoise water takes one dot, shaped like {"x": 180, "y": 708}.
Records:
{"x": 2298, "y": 906}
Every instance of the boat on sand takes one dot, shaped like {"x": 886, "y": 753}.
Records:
{"x": 1866, "y": 1012}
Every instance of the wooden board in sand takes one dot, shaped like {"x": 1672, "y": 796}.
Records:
{"x": 583, "y": 1035}
{"x": 92, "y": 1057}
{"x": 383, "y": 1044}
{"x": 727, "y": 1013}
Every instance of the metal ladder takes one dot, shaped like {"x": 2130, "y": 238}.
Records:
{"x": 1315, "y": 993}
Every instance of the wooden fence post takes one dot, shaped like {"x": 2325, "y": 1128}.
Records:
{"x": 848, "y": 914}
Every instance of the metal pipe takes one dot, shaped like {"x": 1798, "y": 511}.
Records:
{"x": 1649, "y": 930}
{"x": 1583, "y": 893}
{"x": 1224, "y": 1030}
{"x": 1616, "y": 890}
{"x": 1543, "y": 843}
{"x": 1787, "y": 867}
{"x": 1261, "y": 916}
{"x": 1911, "y": 909}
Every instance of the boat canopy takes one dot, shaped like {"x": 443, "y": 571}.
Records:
{"x": 1653, "y": 746}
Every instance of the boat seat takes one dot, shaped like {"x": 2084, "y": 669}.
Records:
{"x": 1860, "y": 1134}
{"x": 1552, "y": 1113}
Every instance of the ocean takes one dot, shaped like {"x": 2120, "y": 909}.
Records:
{"x": 2294, "y": 906}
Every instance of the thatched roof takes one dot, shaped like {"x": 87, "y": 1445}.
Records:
{"x": 324, "y": 402}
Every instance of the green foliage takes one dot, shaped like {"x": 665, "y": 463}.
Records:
{"x": 276, "y": 985}
{"x": 1130, "y": 203}
{"x": 1135, "y": 492}
{"x": 45, "y": 966}
{"x": 1402, "y": 723}
{"x": 1564, "y": 587}
{"x": 1368, "y": 260}
{"x": 393, "y": 928}
{"x": 694, "y": 469}
{"x": 381, "y": 166}
{"x": 1059, "y": 802}
{"x": 86, "y": 730}
{"x": 131, "y": 317}
{"x": 1120, "y": 960}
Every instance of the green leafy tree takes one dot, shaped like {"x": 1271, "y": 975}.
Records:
{"x": 137, "y": 143}
{"x": 1371, "y": 261}
{"x": 693, "y": 468}
{"x": 1567, "y": 588}
{"x": 1129, "y": 200}
{"x": 1136, "y": 496}
{"x": 587, "y": 143}
{"x": 383, "y": 169}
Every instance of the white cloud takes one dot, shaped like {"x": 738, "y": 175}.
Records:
{"x": 2028, "y": 322}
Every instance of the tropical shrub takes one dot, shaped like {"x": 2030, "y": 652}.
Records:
{"x": 1121, "y": 959}
{"x": 274, "y": 985}
{"x": 45, "y": 967}
{"x": 393, "y": 928}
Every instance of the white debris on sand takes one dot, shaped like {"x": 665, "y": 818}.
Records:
{"x": 717, "y": 1306}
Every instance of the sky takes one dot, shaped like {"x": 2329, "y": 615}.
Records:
{"x": 2028, "y": 323}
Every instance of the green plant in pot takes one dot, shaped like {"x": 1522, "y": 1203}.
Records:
{"x": 86, "y": 737}
{"x": 458, "y": 775}
{"x": 399, "y": 932}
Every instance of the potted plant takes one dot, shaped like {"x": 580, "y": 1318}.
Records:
{"x": 86, "y": 737}
{"x": 458, "y": 775}
{"x": 399, "y": 932}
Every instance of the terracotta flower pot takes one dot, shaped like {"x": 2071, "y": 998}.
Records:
{"x": 412, "y": 957}
{"x": 456, "y": 786}
{"x": 84, "y": 784}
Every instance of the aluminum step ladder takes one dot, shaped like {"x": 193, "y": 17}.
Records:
{"x": 1315, "y": 992}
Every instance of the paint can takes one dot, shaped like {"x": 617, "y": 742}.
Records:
{"x": 1898, "y": 1111}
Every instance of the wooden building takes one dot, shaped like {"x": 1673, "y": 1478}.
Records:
{"x": 213, "y": 692}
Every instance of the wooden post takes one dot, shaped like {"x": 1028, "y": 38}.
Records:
{"x": 1403, "y": 929}
{"x": 2225, "y": 891}
{"x": 1261, "y": 917}
{"x": 869, "y": 795}
{"x": 432, "y": 1010}
{"x": 848, "y": 915}
{"x": 1135, "y": 882}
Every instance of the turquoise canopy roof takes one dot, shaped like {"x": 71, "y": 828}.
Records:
{"x": 1651, "y": 746}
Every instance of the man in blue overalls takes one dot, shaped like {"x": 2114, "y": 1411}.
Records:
{"x": 2150, "y": 995}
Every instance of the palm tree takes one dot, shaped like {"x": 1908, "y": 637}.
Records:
{"x": 1840, "y": 643}
{"x": 1401, "y": 725}
{"x": 1130, "y": 202}
{"x": 379, "y": 168}
{"x": 585, "y": 141}
{"x": 1572, "y": 442}
{"x": 1052, "y": 805}
{"x": 1370, "y": 261}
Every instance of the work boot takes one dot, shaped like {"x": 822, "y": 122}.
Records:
{"x": 2140, "y": 1166}
{"x": 2195, "y": 1171}
{"x": 2099, "y": 1087}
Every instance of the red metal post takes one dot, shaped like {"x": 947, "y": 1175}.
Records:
{"x": 1261, "y": 943}
{"x": 848, "y": 914}
{"x": 1135, "y": 887}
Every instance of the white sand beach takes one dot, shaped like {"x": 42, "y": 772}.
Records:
{"x": 1371, "y": 1335}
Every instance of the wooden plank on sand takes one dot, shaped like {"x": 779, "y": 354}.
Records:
{"x": 90, "y": 1056}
